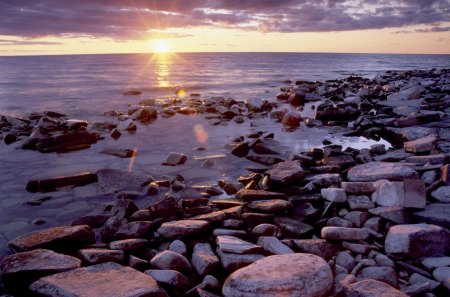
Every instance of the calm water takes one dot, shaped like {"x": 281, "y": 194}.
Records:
{"x": 86, "y": 86}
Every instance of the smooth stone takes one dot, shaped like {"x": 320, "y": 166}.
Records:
{"x": 231, "y": 244}
{"x": 420, "y": 279}
{"x": 55, "y": 183}
{"x": 436, "y": 213}
{"x": 273, "y": 245}
{"x": 383, "y": 274}
{"x": 442, "y": 194}
{"x": 435, "y": 262}
{"x": 231, "y": 262}
{"x": 21, "y": 269}
{"x": 182, "y": 228}
{"x": 334, "y": 195}
{"x": 56, "y": 238}
{"x": 417, "y": 240}
{"x": 281, "y": 275}
{"x": 171, "y": 278}
{"x": 358, "y": 188}
{"x": 179, "y": 247}
{"x": 286, "y": 173}
{"x": 442, "y": 274}
{"x": 270, "y": 206}
{"x": 252, "y": 195}
{"x": 175, "y": 159}
{"x": 107, "y": 279}
{"x": 203, "y": 259}
{"x": 342, "y": 233}
{"x": 97, "y": 256}
{"x": 372, "y": 288}
{"x": 346, "y": 260}
{"x": 339, "y": 222}
{"x": 374, "y": 171}
{"x": 171, "y": 261}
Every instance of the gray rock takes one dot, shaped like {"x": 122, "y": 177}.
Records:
{"x": 436, "y": 213}
{"x": 372, "y": 288}
{"x": 170, "y": 278}
{"x": 342, "y": 233}
{"x": 20, "y": 270}
{"x": 442, "y": 274}
{"x": 374, "y": 171}
{"x": 179, "y": 247}
{"x": 346, "y": 260}
{"x": 406, "y": 94}
{"x": 231, "y": 244}
{"x": 266, "y": 230}
{"x": 108, "y": 279}
{"x": 417, "y": 240}
{"x": 289, "y": 275}
{"x": 58, "y": 239}
{"x": 388, "y": 193}
{"x": 182, "y": 228}
{"x": 420, "y": 279}
{"x": 124, "y": 208}
{"x": 325, "y": 179}
{"x": 339, "y": 222}
{"x": 286, "y": 173}
{"x": 274, "y": 246}
{"x": 384, "y": 274}
{"x": 442, "y": 194}
{"x": 171, "y": 261}
{"x": 429, "y": 177}
{"x": 435, "y": 262}
{"x": 415, "y": 195}
{"x": 203, "y": 259}
{"x": 94, "y": 256}
{"x": 334, "y": 195}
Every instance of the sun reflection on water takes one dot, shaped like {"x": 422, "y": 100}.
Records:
{"x": 162, "y": 69}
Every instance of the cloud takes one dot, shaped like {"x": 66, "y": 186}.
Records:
{"x": 27, "y": 42}
{"x": 137, "y": 19}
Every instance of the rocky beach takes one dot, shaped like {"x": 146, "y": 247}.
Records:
{"x": 332, "y": 188}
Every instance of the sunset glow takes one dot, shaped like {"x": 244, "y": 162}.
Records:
{"x": 161, "y": 46}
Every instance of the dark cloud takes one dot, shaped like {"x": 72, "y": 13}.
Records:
{"x": 27, "y": 42}
{"x": 124, "y": 20}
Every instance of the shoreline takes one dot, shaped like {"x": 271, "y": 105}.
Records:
{"x": 323, "y": 201}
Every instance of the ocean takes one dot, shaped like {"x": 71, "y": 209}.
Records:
{"x": 85, "y": 86}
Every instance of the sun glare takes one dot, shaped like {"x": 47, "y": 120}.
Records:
{"x": 161, "y": 46}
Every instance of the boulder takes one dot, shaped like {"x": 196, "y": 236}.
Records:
{"x": 170, "y": 260}
{"x": 57, "y": 238}
{"x": 281, "y": 275}
{"x": 417, "y": 240}
{"x": 107, "y": 279}
{"x": 203, "y": 259}
{"x": 374, "y": 171}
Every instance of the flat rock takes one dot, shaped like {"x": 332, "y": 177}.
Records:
{"x": 170, "y": 278}
{"x": 396, "y": 214}
{"x": 203, "y": 259}
{"x": 281, "y": 275}
{"x": 107, "y": 279}
{"x": 374, "y": 171}
{"x": 436, "y": 213}
{"x": 252, "y": 195}
{"x": 358, "y": 188}
{"x": 372, "y": 288}
{"x": 55, "y": 183}
{"x": 270, "y": 206}
{"x": 421, "y": 145}
{"x": 286, "y": 173}
{"x": 274, "y": 246}
{"x": 182, "y": 228}
{"x": 94, "y": 256}
{"x": 417, "y": 240}
{"x": 435, "y": 262}
{"x": 232, "y": 262}
{"x": 334, "y": 195}
{"x": 342, "y": 233}
{"x": 128, "y": 244}
{"x": 20, "y": 270}
{"x": 442, "y": 194}
{"x": 231, "y": 244}
{"x": 318, "y": 247}
{"x": 57, "y": 238}
{"x": 292, "y": 227}
{"x": 383, "y": 274}
{"x": 112, "y": 180}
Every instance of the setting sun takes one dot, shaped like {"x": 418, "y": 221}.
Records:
{"x": 161, "y": 46}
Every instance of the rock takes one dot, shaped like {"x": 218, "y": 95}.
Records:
{"x": 182, "y": 228}
{"x": 255, "y": 104}
{"x": 165, "y": 208}
{"x": 58, "y": 239}
{"x": 342, "y": 233}
{"x": 384, "y": 260}
{"x": 372, "y": 288}
{"x": 346, "y": 260}
{"x": 252, "y": 195}
{"x": 111, "y": 226}
{"x": 231, "y": 262}
{"x": 281, "y": 275}
{"x": 121, "y": 153}
{"x": 177, "y": 246}
{"x": 359, "y": 202}
{"x": 285, "y": 173}
{"x": 132, "y": 93}
{"x": 358, "y": 218}
{"x": 270, "y": 206}
{"x": 292, "y": 227}
{"x": 170, "y": 278}
{"x": 445, "y": 173}
{"x": 93, "y": 221}
{"x": 124, "y": 208}
{"x": 324, "y": 180}
{"x": 231, "y": 244}
{"x": 421, "y": 145}
{"x": 442, "y": 194}
{"x": 388, "y": 193}
{"x": 435, "y": 262}
{"x": 334, "y": 195}
{"x": 20, "y": 270}
{"x": 343, "y": 161}
{"x": 126, "y": 125}
{"x": 415, "y": 195}
{"x": 442, "y": 274}
{"x": 97, "y": 256}
{"x": 66, "y": 142}
{"x": 203, "y": 259}
{"x": 112, "y": 180}
{"x": 291, "y": 119}
{"x": 107, "y": 279}
{"x": 55, "y": 183}
{"x": 128, "y": 244}
{"x": 339, "y": 222}
{"x": 170, "y": 260}
{"x": 318, "y": 247}
{"x": 358, "y": 188}
{"x": 374, "y": 171}
{"x": 266, "y": 230}
{"x": 396, "y": 214}
{"x": 175, "y": 159}
{"x": 383, "y": 274}
{"x": 274, "y": 246}
{"x": 420, "y": 279}
{"x": 417, "y": 240}
{"x": 436, "y": 213}
{"x": 145, "y": 114}
{"x": 406, "y": 94}
{"x": 140, "y": 229}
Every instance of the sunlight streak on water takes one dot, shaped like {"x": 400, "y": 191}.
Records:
{"x": 201, "y": 134}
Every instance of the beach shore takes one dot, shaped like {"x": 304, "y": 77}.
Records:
{"x": 333, "y": 188}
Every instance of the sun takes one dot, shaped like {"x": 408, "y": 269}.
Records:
{"x": 161, "y": 46}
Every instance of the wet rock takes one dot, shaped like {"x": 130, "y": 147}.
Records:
{"x": 175, "y": 159}
{"x": 417, "y": 240}
{"x": 291, "y": 120}
{"x": 372, "y": 288}
{"x": 124, "y": 208}
{"x": 121, "y": 153}
{"x": 69, "y": 141}
{"x": 374, "y": 171}
{"x": 145, "y": 114}
{"x": 132, "y": 93}
{"x": 358, "y": 218}
{"x": 241, "y": 149}
{"x": 252, "y": 195}
{"x": 270, "y": 206}
{"x": 383, "y": 274}
{"x": 334, "y": 195}
{"x": 10, "y": 138}
{"x": 108, "y": 279}
{"x": 170, "y": 278}
{"x": 286, "y": 173}
{"x": 182, "y": 228}
{"x": 20, "y": 270}
{"x": 274, "y": 246}
{"x": 112, "y": 180}
{"x": 126, "y": 125}
{"x": 170, "y": 260}
{"x": 58, "y": 238}
{"x": 187, "y": 111}
{"x": 203, "y": 259}
{"x": 289, "y": 275}
{"x": 97, "y": 256}
{"x": 342, "y": 233}
{"x": 55, "y": 183}
{"x": 421, "y": 145}
{"x": 234, "y": 245}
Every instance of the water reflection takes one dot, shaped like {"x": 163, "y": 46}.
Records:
{"x": 162, "y": 69}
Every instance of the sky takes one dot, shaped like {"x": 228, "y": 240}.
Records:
{"x": 42, "y": 27}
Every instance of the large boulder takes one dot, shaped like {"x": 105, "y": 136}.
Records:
{"x": 374, "y": 171}
{"x": 281, "y": 275}
{"x": 371, "y": 288}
